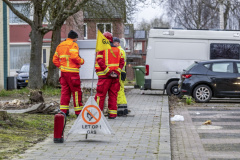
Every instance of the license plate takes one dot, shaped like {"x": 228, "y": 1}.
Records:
{"x": 26, "y": 81}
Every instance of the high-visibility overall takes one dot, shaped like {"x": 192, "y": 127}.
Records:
{"x": 67, "y": 59}
{"x": 106, "y": 63}
{"x": 121, "y": 99}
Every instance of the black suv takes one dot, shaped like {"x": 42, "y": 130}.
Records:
{"x": 23, "y": 75}
{"x": 215, "y": 78}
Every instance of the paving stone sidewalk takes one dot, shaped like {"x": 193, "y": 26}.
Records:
{"x": 143, "y": 135}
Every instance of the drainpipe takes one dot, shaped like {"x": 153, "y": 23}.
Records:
{"x": 5, "y": 44}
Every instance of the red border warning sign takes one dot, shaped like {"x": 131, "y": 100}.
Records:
{"x": 86, "y": 109}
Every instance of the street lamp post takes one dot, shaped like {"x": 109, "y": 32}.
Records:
{"x": 221, "y": 14}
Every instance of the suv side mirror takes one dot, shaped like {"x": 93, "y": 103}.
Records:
{"x": 18, "y": 72}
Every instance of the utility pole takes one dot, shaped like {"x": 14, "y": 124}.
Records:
{"x": 221, "y": 14}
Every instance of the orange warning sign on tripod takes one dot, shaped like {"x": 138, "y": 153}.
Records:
{"x": 91, "y": 114}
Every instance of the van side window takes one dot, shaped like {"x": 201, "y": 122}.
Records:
{"x": 224, "y": 51}
{"x": 226, "y": 67}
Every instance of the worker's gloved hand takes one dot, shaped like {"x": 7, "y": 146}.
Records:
{"x": 113, "y": 75}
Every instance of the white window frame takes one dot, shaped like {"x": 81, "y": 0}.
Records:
{"x": 30, "y": 17}
{"x": 104, "y": 27}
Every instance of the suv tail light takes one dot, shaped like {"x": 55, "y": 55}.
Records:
{"x": 186, "y": 75}
{"x": 147, "y": 70}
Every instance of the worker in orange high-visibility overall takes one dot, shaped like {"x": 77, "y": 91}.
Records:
{"x": 67, "y": 59}
{"x": 109, "y": 64}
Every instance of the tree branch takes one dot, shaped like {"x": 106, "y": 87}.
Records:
{"x": 20, "y": 15}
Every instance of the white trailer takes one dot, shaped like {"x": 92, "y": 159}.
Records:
{"x": 170, "y": 51}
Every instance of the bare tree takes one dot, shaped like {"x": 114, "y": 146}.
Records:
{"x": 202, "y": 14}
{"x": 154, "y": 23}
{"x": 193, "y": 14}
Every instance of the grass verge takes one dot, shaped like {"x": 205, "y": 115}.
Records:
{"x": 21, "y": 131}
{"x": 47, "y": 91}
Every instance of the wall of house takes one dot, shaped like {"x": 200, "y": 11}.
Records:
{"x": 75, "y": 23}
{"x": 118, "y": 29}
{"x": 20, "y": 33}
{"x": 19, "y": 37}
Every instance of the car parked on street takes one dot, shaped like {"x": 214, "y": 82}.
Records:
{"x": 23, "y": 75}
{"x": 207, "y": 79}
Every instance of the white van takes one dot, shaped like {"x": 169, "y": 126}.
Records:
{"x": 170, "y": 51}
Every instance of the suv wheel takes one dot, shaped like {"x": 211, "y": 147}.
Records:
{"x": 202, "y": 93}
{"x": 172, "y": 88}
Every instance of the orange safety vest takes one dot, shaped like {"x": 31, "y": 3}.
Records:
{"x": 111, "y": 62}
{"x": 67, "y": 57}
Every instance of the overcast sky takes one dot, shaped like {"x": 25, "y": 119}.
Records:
{"x": 147, "y": 13}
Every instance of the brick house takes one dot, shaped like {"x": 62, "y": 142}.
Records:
{"x": 105, "y": 19}
{"x": 135, "y": 49}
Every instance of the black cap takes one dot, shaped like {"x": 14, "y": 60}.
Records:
{"x": 72, "y": 34}
{"x": 116, "y": 39}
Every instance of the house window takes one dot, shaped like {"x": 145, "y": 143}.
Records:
{"x": 24, "y": 8}
{"x": 104, "y": 27}
{"x": 127, "y": 44}
{"x": 19, "y": 55}
{"x": 44, "y": 56}
{"x": 85, "y": 30}
{"x": 127, "y": 30}
{"x": 224, "y": 51}
{"x": 138, "y": 46}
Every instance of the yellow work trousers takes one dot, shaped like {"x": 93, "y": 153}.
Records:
{"x": 121, "y": 99}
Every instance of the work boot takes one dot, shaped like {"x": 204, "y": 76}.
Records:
{"x": 122, "y": 110}
{"x": 67, "y": 114}
{"x": 111, "y": 117}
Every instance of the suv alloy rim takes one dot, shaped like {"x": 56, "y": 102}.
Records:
{"x": 202, "y": 93}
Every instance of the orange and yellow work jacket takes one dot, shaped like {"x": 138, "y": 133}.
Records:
{"x": 106, "y": 62}
{"x": 67, "y": 57}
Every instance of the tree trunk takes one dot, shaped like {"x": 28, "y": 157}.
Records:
{"x": 53, "y": 71}
{"x": 35, "y": 73}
